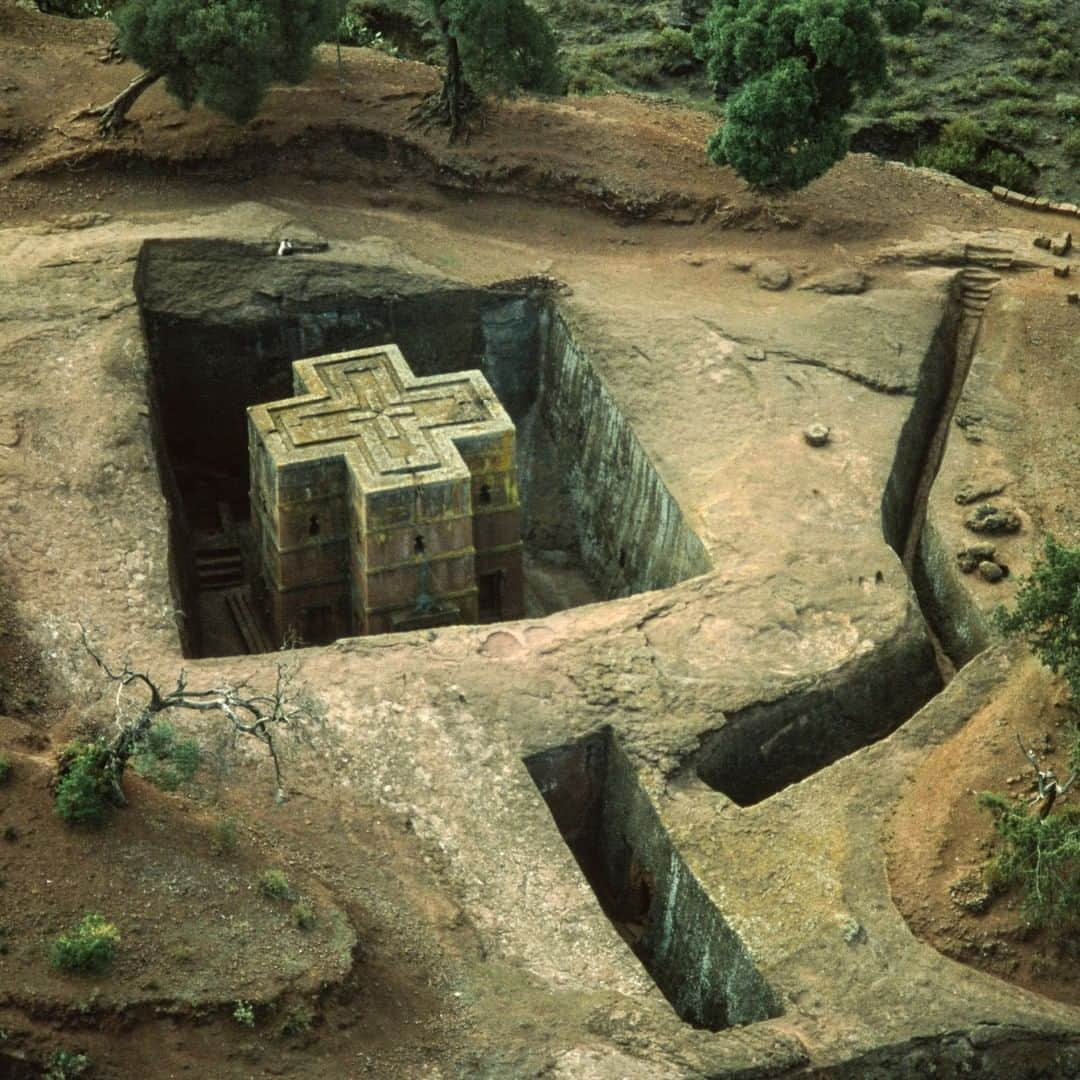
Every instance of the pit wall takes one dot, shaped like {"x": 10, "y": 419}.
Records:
{"x": 631, "y": 534}
{"x": 762, "y": 749}
{"x": 915, "y": 449}
{"x": 946, "y": 597}
{"x": 610, "y": 823}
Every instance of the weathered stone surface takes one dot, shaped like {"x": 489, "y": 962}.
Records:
{"x": 843, "y": 282}
{"x": 772, "y": 275}
{"x": 988, "y": 518}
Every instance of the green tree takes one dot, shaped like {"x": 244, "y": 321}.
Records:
{"x": 222, "y": 53}
{"x": 1047, "y": 612}
{"x": 790, "y": 71}
{"x": 491, "y": 47}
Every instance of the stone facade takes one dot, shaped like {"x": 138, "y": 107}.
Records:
{"x": 383, "y": 501}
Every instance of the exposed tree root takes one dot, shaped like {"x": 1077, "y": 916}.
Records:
{"x": 113, "y": 114}
{"x": 460, "y": 114}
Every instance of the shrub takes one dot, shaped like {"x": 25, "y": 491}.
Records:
{"x": 298, "y": 1021}
{"x": 274, "y": 885}
{"x": 66, "y": 1065}
{"x": 165, "y": 759}
{"x": 1008, "y": 170}
{"x": 938, "y": 16}
{"x": 82, "y": 791}
{"x": 304, "y": 915}
{"x": 244, "y": 1013}
{"x": 76, "y": 9}
{"x": 5, "y": 767}
{"x": 91, "y": 946}
{"x": 1071, "y": 146}
{"x": 961, "y": 151}
{"x": 1061, "y": 64}
{"x": 1047, "y": 613}
{"x": 223, "y": 837}
{"x": 1042, "y": 855}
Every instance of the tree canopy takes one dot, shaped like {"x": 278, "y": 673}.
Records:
{"x": 790, "y": 71}
{"x": 222, "y": 53}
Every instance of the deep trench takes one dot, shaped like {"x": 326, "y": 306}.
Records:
{"x": 645, "y": 887}
{"x": 223, "y": 323}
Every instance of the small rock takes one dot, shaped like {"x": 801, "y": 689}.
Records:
{"x": 1073, "y": 298}
{"x": 844, "y": 282}
{"x": 1061, "y": 245}
{"x": 989, "y": 519}
{"x": 974, "y": 490}
{"x": 1062, "y": 271}
{"x": 817, "y": 434}
{"x": 773, "y": 276}
{"x": 1043, "y": 242}
{"x": 744, "y": 266}
{"x": 982, "y": 551}
{"x": 755, "y": 354}
{"x": 990, "y": 571}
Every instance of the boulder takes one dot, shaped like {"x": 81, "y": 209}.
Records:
{"x": 772, "y": 275}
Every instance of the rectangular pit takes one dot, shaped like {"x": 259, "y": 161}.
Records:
{"x": 223, "y": 323}
{"x": 645, "y": 888}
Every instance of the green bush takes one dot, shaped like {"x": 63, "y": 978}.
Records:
{"x": 165, "y": 759}
{"x": 1042, "y": 855}
{"x": 82, "y": 792}
{"x": 76, "y": 9}
{"x": 1061, "y": 64}
{"x": 298, "y": 1021}
{"x": 961, "y": 151}
{"x": 223, "y": 837}
{"x": 244, "y": 1013}
{"x": 304, "y": 915}
{"x": 938, "y": 17}
{"x": 1008, "y": 170}
{"x": 91, "y": 946}
{"x": 1071, "y": 147}
{"x": 67, "y": 1065}
{"x": 274, "y": 885}
{"x": 5, "y": 767}
{"x": 1047, "y": 613}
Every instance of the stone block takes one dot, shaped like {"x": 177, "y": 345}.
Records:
{"x": 1061, "y": 244}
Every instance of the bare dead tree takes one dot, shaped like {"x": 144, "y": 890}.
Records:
{"x": 261, "y": 715}
{"x": 1048, "y": 788}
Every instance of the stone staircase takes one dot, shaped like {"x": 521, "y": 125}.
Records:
{"x": 219, "y": 568}
{"x": 976, "y": 286}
